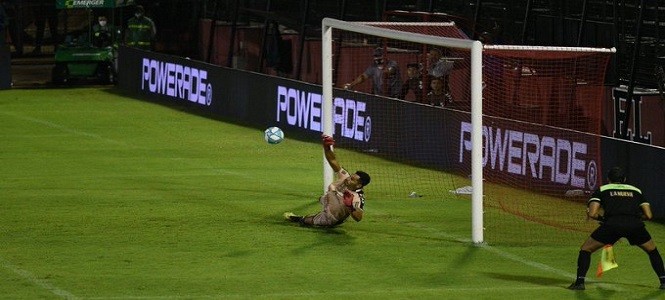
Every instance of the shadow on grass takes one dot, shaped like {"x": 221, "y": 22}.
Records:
{"x": 658, "y": 294}
{"x": 545, "y": 281}
{"x": 328, "y": 238}
{"x": 606, "y": 290}
{"x": 309, "y": 207}
{"x": 423, "y": 236}
{"x": 465, "y": 258}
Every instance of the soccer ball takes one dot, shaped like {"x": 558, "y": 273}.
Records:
{"x": 273, "y": 135}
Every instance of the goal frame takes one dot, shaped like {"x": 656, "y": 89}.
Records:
{"x": 475, "y": 48}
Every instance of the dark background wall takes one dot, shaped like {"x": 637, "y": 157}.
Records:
{"x": 637, "y": 32}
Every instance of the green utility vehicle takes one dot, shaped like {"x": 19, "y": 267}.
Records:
{"x": 87, "y": 53}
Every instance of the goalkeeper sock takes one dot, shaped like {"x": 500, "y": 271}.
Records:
{"x": 583, "y": 263}
{"x": 657, "y": 264}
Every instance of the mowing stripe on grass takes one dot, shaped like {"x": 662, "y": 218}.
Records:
{"x": 62, "y": 128}
{"x": 34, "y": 280}
{"x": 369, "y": 293}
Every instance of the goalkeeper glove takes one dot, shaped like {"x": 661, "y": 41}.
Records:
{"x": 327, "y": 141}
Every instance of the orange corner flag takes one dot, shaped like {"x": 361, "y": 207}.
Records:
{"x": 607, "y": 261}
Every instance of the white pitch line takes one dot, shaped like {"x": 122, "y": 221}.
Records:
{"x": 62, "y": 128}
{"x": 33, "y": 279}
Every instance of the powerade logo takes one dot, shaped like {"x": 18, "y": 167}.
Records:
{"x": 177, "y": 81}
{"x": 303, "y": 109}
{"x": 527, "y": 154}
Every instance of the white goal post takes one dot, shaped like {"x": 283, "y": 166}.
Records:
{"x": 475, "y": 48}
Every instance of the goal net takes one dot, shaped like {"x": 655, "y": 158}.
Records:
{"x": 393, "y": 99}
{"x": 513, "y": 129}
{"x": 542, "y": 108}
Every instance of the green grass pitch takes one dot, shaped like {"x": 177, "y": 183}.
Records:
{"x": 107, "y": 197}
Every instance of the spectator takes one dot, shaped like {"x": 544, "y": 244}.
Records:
{"x": 103, "y": 33}
{"x": 4, "y": 21}
{"x": 438, "y": 96}
{"x": 14, "y": 25}
{"x": 385, "y": 76}
{"x": 414, "y": 82}
{"x": 438, "y": 66}
{"x": 141, "y": 30}
{"x": 486, "y": 38}
{"x": 45, "y": 12}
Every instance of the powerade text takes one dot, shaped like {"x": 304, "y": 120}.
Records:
{"x": 527, "y": 154}
{"x": 177, "y": 81}
{"x": 303, "y": 109}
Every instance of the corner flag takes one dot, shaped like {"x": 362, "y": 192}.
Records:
{"x": 607, "y": 261}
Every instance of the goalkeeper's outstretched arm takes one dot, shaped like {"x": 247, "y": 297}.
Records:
{"x": 328, "y": 143}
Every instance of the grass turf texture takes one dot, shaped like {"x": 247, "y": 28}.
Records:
{"x": 107, "y": 197}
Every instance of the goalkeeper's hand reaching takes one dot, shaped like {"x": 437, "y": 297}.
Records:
{"x": 328, "y": 141}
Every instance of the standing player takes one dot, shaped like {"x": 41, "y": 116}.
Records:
{"x": 344, "y": 197}
{"x": 625, "y": 209}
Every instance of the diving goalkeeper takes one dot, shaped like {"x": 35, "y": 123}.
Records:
{"x": 344, "y": 197}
